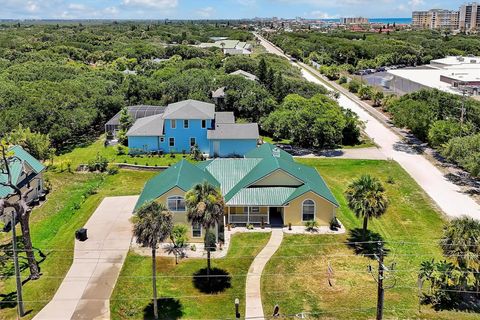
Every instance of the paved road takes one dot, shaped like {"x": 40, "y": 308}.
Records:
{"x": 88, "y": 285}
{"x": 444, "y": 193}
{"x": 253, "y": 295}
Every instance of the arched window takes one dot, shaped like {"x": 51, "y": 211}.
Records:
{"x": 176, "y": 203}
{"x": 308, "y": 210}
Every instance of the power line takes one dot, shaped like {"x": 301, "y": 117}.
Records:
{"x": 400, "y": 242}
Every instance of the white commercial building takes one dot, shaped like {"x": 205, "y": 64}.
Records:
{"x": 450, "y": 74}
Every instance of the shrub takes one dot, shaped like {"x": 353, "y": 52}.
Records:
{"x": 121, "y": 150}
{"x": 112, "y": 170}
{"x": 250, "y": 226}
{"x": 311, "y": 225}
{"x": 334, "y": 224}
{"x": 179, "y": 235}
{"x": 342, "y": 80}
{"x": 354, "y": 86}
{"x": 100, "y": 164}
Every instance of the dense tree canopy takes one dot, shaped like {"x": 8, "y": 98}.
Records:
{"x": 363, "y": 51}
{"x": 66, "y": 81}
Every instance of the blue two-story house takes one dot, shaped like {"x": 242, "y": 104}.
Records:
{"x": 188, "y": 123}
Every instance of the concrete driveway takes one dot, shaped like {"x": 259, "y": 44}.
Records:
{"x": 88, "y": 285}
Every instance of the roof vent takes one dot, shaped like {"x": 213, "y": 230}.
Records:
{"x": 276, "y": 152}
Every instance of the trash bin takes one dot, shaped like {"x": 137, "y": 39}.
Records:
{"x": 81, "y": 234}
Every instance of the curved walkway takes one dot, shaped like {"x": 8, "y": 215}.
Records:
{"x": 86, "y": 289}
{"x": 253, "y": 294}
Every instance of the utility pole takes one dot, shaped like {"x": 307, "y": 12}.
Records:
{"x": 380, "y": 290}
{"x": 380, "y": 278}
{"x": 18, "y": 278}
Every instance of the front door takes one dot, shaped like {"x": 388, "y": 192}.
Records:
{"x": 216, "y": 148}
{"x": 276, "y": 217}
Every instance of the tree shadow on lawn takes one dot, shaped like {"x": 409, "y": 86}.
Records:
{"x": 7, "y": 269}
{"x": 368, "y": 246}
{"x": 168, "y": 308}
{"x": 218, "y": 281}
{"x": 452, "y": 301}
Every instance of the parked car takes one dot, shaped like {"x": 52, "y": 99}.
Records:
{"x": 370, "y": 71}
{"x": 381, "y": 69}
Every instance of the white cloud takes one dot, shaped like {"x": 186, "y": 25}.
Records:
{"x": 156, "y": 4}
{"x": 77, "y": 7}
{"x": 321, "y": 15}
{"x": 205, "y": 12}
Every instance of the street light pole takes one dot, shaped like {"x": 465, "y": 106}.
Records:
{"x": 18, "y": 278}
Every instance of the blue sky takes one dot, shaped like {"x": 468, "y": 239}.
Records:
{"x": 214, "y": 9}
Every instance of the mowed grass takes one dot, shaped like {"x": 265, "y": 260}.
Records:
{"x": 180, "y": 299}
{"x": 296, "y": 278}
{"x": 82, "y": 155}
{"x": 73, "y": 199}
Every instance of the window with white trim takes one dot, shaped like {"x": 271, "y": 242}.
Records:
{"x": 308, "y": 210}
{"x": 193, "y": 141}
{"x": 196, "y": 230}
{"x": 255, "y": 209}
{"x": 173, "y": 124}
{"x": 176, "y": 203}
{"x": 204, "y": 124}
{"x": 185, "y": 124}
{"x": 171, "y": 142}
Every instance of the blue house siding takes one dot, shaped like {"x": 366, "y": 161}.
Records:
{"x": 182, "y": 135}
{"x": 229, "y": 148}
{"x": 145, "y": 143}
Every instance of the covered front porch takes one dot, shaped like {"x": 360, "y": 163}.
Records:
{"x": 255, "y": 215}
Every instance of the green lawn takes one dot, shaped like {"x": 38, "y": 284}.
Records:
{"x": 73, "y": 199}
{"x": 81, "y": 155}
{"x": 296, "y": 277}
{"x": 133, "y": 291}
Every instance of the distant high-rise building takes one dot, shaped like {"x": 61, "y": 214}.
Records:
{"x": 354, "y": 20}
{"x": 469, "y": 18}
{"x": 435, "y": 19}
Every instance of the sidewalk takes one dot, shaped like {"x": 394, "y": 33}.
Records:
{"x": 86, "y": 289}
{"x": 253, "y": 295}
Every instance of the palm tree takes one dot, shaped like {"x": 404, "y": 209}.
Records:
{"x": 205, "y": 207}
{"x": 461, "y": 240}
{"x": 153, "y": 223}
{"x": 367, "y": 198}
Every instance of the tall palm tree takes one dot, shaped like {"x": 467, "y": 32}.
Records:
{"x": 367, "y": 198}
{"x": 205, "y": 207}
{"x": 461, "y": 241}
{"x": 153, "y": 223}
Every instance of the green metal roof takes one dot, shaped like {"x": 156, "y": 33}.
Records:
{"x": 183, "y": 175}
{"x": 23, "y": 155}
{"x": 268, "y": 196}
{"x": 235, "y": 177}
{"x": 267, "y": 150}
{"x": 283, "y": 161}
{"x": 230, "y": 171}
{"x": 16, "y": 168}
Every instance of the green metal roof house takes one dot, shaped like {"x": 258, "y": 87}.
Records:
{"x": 26, "y": 171}
{"x": 267, "y": 186}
